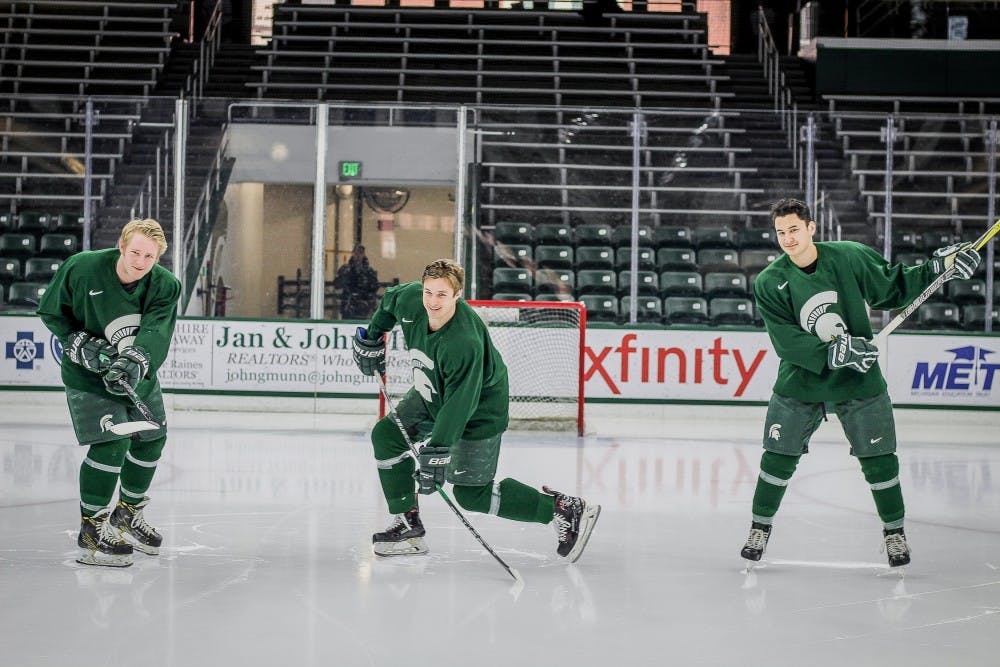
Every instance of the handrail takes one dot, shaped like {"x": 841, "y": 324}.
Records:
{"x": 202, "y": 207}
{"x": 769, "y": 57}
{"x": 147, "y": 201}
{"x": 208, "y": 48}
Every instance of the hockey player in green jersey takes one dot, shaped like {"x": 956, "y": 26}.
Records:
{"x": 458, "y": 410}
{"x": 114, "y": 312}
{"x": 814, "y": 301}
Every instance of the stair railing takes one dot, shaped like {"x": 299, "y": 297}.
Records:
{"x": 199, "y": 218}
{"x": 208, "y": 48}
{"x": 157, "y": 180}
{"x": 777, "y": 86}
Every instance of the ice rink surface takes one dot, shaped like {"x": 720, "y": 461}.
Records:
{"x": 267, "y": 522}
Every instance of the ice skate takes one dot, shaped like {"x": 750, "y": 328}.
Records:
{"x": 100, "y": 544}
{"x": 896, "y": 548}
{"x": 403, "y": 537}
{"x": 128, "y": 519}
{"x": 756, "y": 541}
{"x": 574, "y": 520}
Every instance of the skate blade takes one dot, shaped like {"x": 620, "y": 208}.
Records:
{"x": 587, "y": 522}
{"x": 411, "y": 547}
{"x": 147, "y": 549}
{"x": 105, "y": 560}
{"x": 128, "y": 428}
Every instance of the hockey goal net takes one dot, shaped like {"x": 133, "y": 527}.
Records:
{"x": 541, "y": 343}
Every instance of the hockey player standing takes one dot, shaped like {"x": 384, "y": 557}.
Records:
{"x": 814, "y": 302}
{"x": 114, "y": 312}
{"x": 458, "y": 409}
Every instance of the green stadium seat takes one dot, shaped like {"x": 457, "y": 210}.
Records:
{"x": 68, "y": 222}
{"x": 596, "y": 281}
{"x": 623, "y": 236}
{"x": 974, "y": 318}
{"x": 554, "y": 256}
{"x": 58, "y": 245}
{"x": 516, "y": 233}
{"x": 25, "y": 294}
{"x": 648, "y": 308}
{"x": 41, "y": 269}
{"x": 599, "y": 234}
{"x": 6, "y": 222}
{"x": 600, "y": 308}
{"x": 758, "y": 238}
{"x": 685, "y": 310}
{"x": 10, "y": 270}
{"x": 729, "y": 310}
{"x": 676, "y": 259}
{"x": 680, "y": 283}
{"x": 904, "y": 241}
{"x": 718, "y": 259}
{"x": 708, "y": 236}
{"x": 34, "y": 223}
{"x": 909, "y": 258}
{"x": 595, "y": 257}
{"x": 648, "y": 283}
{"x": 725, "y": 284}
{"x": 511, "y": 255}
{"x": 755, "y": 259}
{"x": 512, "y": 280}
{"x": 674, "y": 236}
{"x": 549, "y": 282}
{"x": 17, "y": 245}
{"x": 933, "y": 239}
{"x": 939, "y": 316}
{"x": 967, "y": 292}
{"x": 551, "y": 233}
{"x": 646, "y": 256}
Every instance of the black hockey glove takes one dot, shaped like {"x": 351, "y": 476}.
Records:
{"x": 961, "y": 256}
{"x": 433, "y": 463}
{"x": 93, "y": 353}
{"x": 131, "y": 366}
{"x": 369, "y": 355}
{"x": 852, "y": 352}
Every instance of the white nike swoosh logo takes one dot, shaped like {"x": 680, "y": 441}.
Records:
{"x": 783, "y": 285}
{"x": 459, "y": 472}
{"x": 874, "y": 440}
{"x": 93, "y": 293}
{"x": 406, "y": 320}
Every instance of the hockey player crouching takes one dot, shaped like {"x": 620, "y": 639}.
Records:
{"x": 114, "y": 312}
{"x": 814, "y": 302}
{"x": 458, "y": 408}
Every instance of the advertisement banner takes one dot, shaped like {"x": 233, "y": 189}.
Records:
{"x": 620, "y": 364}
{"x": 945, "y": 370}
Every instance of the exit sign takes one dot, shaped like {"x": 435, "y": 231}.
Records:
{"x": 350, "y": 169}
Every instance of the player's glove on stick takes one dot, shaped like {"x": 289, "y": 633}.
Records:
{"x": 433, "y": 462}
{"x": 852, "y": 352}
{"x": 93, "y": 353}
{"x": 369, "y": 355}
{"x": 132, "y": 365}
{"x": 961, "y": 256}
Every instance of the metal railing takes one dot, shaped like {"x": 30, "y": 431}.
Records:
{"x": 194, "y": 85}
{"x": 770, "y": 59}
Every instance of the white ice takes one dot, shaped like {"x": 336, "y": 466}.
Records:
{"x": 267, "y": 556}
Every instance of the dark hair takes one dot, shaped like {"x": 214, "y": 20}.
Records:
{"x": 789, "y": 206}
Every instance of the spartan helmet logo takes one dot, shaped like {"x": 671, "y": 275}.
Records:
{"x": 421, "y": 382}
{"x": 815, "y": 317}
{"x": 774, "y": 433}
{"x": 106, "y": 422}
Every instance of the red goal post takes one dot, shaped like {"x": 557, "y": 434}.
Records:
{"x": 542, "y": 344}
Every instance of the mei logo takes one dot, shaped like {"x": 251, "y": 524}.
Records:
{"x": 24, "y": 350}
{"x": 970, "y": 368}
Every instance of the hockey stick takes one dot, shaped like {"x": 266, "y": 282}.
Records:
{"x": 447, "y": 500}
{"x": 147, "y": 414}
{"x": 881, "y": 336}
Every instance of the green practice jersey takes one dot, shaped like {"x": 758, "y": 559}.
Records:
{"x": 803, "y": 312}
{"x": 86, "y": 295}
{"x": 458, "y": 373}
